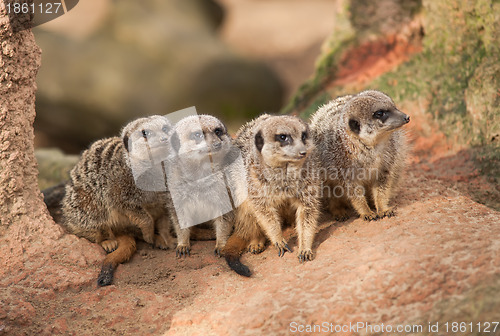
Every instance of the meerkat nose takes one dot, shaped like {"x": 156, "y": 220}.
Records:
{"x": 407, "y": 119}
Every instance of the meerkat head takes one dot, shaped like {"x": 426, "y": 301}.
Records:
{"x": 281, "y": 140}
{"x": 372, "y": 116}
{"x": 200, "y": 137}
{"x": 146, "y": 139}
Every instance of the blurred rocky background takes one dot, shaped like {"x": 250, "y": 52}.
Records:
{"x": 107, "y": 62}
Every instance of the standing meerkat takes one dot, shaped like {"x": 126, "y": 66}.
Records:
{"x": 102, "y": 201}
{"x": 199, "y": 169}
{"x": 362, "y": 150}
{"x": 283, "y": 182}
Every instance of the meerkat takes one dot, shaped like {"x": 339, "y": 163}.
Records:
{"x": 362, "y": 151}
{"x": 281, "y": 169}
{"x": 102, "y": 201}
{"x": 198, "y": 173}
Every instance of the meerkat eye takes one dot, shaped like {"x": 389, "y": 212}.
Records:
{"x": 379, "y": 114}
{"x": 198, "y": 135}
{"x": 283, "y": 138}
{"x": 146, "y": 133}
{"x": 219, "y": 132}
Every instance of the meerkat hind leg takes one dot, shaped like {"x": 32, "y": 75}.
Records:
{"x": 107, "y": 240}
{"x": 338, "y": 209}
{"x": 257, "y": 245}
{"x": 144, "y": 221}
{"x": 109, "y": 245}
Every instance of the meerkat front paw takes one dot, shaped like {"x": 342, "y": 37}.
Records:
{"x": 149, "y": 236}
{"x": 306, "y": 255}
{"x": 282, "y": 247}
{"x": 182, "y": 251}
{"x": 218, "y": 249}
{"x": 109, "y": 245}
{"x": 256, "y": 247}
{"x": 340, "y": 215}
{"x": 161, "y": 243}
{"x": 369, "y": 216}
{"x": 387, "y": 213}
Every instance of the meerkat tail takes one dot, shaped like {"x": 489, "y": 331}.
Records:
{"x": 126, "y": 248}
{"x": 202, "y": 234}
{"x": 232, "y": 252}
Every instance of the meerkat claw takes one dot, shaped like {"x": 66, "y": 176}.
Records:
{"x": 370, "y": 217}
{"x": 306, "y": 255}
{"x": 182, "y": 251}
{"x": 282, "y": 249}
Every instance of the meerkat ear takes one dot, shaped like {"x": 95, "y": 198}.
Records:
{"x": 175, "y": 141}
{"x": 354, "y": 126}
{"x": 126, "y": 144}
{"x": 259, "y": 141}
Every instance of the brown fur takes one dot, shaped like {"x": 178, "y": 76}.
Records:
{"x": 102, "y": 201}
{"x": 362, "y": 151}
{"x": 281, "y": 165}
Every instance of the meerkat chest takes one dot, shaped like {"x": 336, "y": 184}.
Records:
{"x": 368, "y": 165}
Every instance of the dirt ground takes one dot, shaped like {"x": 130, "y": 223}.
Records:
{"x": 440, "y": 246}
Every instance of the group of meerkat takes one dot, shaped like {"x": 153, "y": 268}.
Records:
{"x": 158, "y": 178}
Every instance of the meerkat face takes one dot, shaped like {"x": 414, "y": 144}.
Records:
{"x": 283, "y": 139}
{"x": 200, "y": 137}
{"x": 372, "y": 116}
{"x": 146, "y": 139}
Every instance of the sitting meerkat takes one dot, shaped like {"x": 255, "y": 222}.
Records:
{"x": 198, "y": 173}
{"x": 283, "y": 182}
{"x": 362, "y": 150}
{"x": 102, "y": 201}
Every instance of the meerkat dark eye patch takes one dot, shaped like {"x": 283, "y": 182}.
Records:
{"x": 146, "y": 133}
{"x": 382, "y": 115}
{"x": 283, "y": 139}
{"x": 354, "y": 126}
{"x": 165, "y": 128}
{"x": 175, "y": 141}
{"x": 197, "y": 136}
{"x": 259, "y": 141}
{"x": 305, "y": 136}
{"x": 219, "y": 132}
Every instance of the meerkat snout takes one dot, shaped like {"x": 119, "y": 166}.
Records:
{"x": 391, "y": 118}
